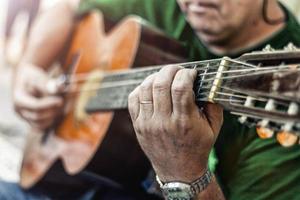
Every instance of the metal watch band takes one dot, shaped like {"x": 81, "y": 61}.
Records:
{"x": 196, "y": 186}
{"x": 201, "y": 183}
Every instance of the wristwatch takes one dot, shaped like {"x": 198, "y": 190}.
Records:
{"x": 184, "y": 191}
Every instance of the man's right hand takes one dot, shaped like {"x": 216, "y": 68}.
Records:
{"x": 32, "y": 100}
{"x": 46, "y": 42}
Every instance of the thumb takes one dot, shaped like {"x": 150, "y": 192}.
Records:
{"x": 33, "y": 78}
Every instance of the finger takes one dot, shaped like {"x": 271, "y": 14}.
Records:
{"x": 24, "y": 101}
{"x": 183, "y": 97}
{"x": 214, "y": 115}
{"x": 43, "y": 85}
{"x": 134, "y": 104}
{"x": 38, "y": 84}
{"x": 57, "y": 86}
{"x": 161, "y": 90}
{"x": 37, "y": 117}
{"x": 146, "y": 98}
{"x": 42, "y": 125}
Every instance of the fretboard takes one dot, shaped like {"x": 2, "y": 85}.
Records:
{"x": 217, "y": 81}
{"x": 115, "y": 87}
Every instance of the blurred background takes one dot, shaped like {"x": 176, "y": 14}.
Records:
{"x": 12, "y": 129}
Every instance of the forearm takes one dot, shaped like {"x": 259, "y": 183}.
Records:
{"x": 212, "y": 192}
{"x": 49, "y": 35}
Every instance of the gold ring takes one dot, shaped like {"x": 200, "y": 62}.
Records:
{"x": 146, "y": 102}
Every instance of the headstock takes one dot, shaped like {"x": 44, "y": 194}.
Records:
{"x": 265, "y": 92}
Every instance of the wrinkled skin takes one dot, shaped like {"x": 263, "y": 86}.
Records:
{"x": 171, "y": 129}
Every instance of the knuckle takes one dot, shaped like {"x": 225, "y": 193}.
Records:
{"x": 180, "y": 89}
{"x": 163, "y": 129}
{"x": 146, "y": 85}
{"x": 160, "y": 86}
{"x": 183, "y": 125}
{"x": 139, "y": 129}
{"x": 160, "y": 127}
{"x": 148, "y": 82}
{"x": 147, "y": 129}
{"x": 131, "y": 97}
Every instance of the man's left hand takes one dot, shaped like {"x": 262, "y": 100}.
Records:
{"x": 176, "y": 136}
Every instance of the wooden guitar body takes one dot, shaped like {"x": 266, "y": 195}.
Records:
{"x": 78, "y": 135}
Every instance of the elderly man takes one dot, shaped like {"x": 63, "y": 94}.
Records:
{"x": 178, "y": 149}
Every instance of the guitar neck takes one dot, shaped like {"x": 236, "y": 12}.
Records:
{"x": 242, "y": 88}
{"x": 115, "y": 87}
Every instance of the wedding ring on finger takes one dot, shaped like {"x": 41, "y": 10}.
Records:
{"x": 146, "y": 102}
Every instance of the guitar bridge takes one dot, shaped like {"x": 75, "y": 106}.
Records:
{"x": 218, "y": 79}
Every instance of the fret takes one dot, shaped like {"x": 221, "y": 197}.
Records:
{"x": 217, "y": 81}
{"x": 246, "y": 87}
{"x": 142, "y": 73}
{"x": 199, "y": 85}
{"x": 115, "y": 87}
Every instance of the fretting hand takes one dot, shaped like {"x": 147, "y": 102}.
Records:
{"x": 175, "y": 135}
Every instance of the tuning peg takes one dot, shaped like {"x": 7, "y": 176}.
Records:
{"x": 249, "y": 102}
{"x": 286, "y": 138}
{"x": 290, "y": 47}
{"x": 242, "y": 119}
{"x": 268, "y": 48}
{"x": 293, "y": 108}
{"x": 263, "y": 131}
{"x": 262, "y": 127}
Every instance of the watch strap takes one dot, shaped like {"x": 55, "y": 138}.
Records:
{"x": 196, "y": 186}
{"x": 201, "y": 183}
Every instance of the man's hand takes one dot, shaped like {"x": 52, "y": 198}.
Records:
{"x": 46, "y": 42}
{"x": 176, "y": 136}
{"x": 32, "y": 99}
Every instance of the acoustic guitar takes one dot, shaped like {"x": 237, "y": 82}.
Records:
{"x": 261, "y": 87}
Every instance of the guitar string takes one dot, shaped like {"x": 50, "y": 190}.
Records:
{"x": 260, "y": 99}
{"x": 83, "y": 76}
{"x": 251, "y": 74}
{"x": 205, "y": 94}
{"x": 138, "y": 81}
{"x": 266, "y": 69}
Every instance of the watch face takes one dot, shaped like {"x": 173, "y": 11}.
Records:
{"x": 177, "y": 191}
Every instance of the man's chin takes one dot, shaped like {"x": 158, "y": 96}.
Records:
{"x": 214, "y": 43}
{"x": 211, "y": 39}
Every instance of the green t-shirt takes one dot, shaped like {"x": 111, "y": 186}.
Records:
{"x": 248, "y": 168}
